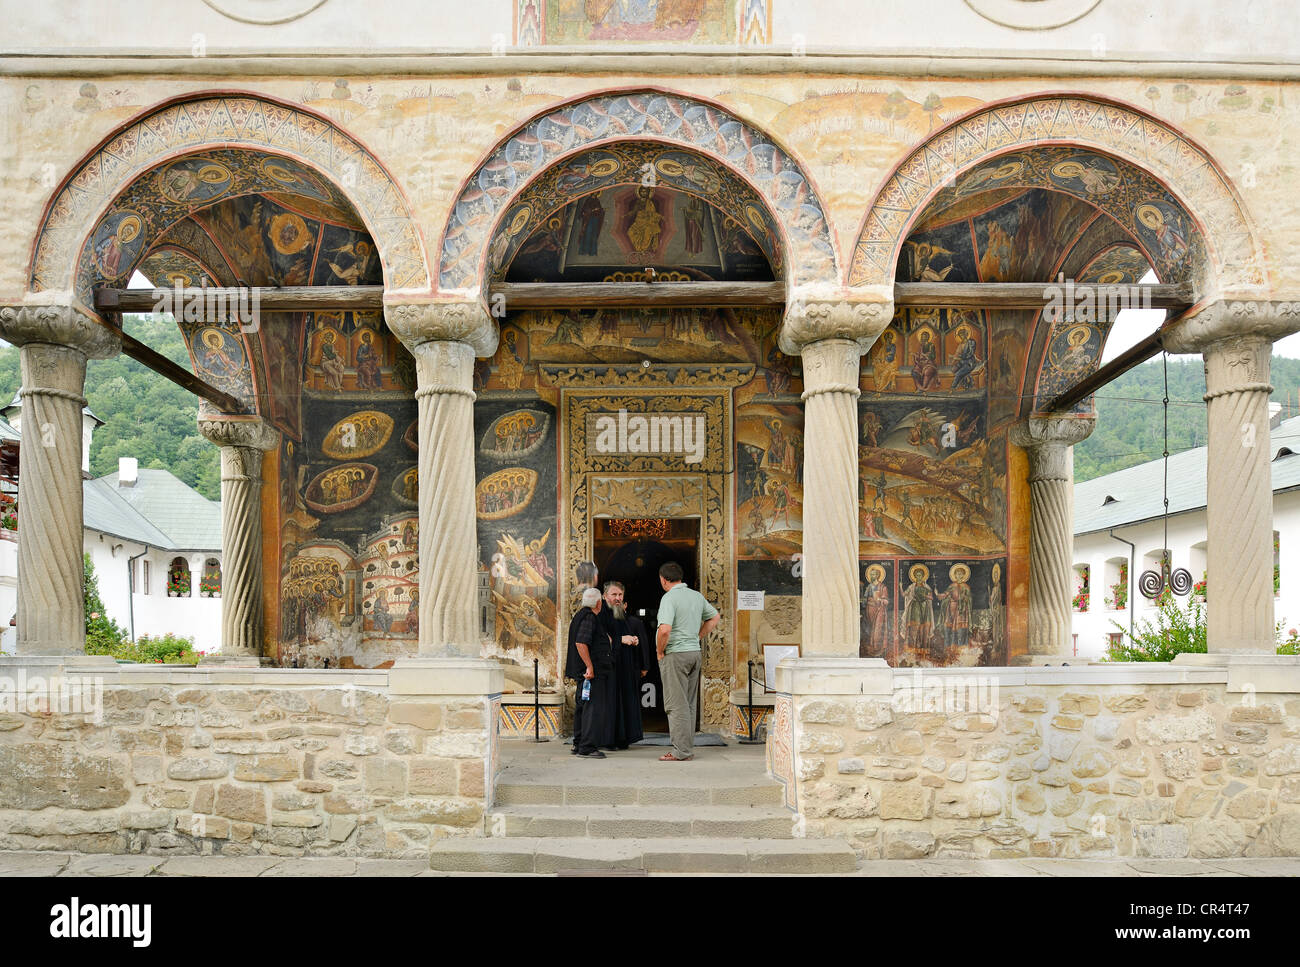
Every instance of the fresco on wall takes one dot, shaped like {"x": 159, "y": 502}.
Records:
{"x": 701, "y": 22}
{"x": 769, "y": 480}
{"x": 515, "y": 496}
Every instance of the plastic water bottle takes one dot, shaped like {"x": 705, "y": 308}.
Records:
{"x": 586, "y": 689}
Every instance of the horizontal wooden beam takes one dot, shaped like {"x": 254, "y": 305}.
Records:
{"x": 1135, "y": 355}
{"x": 217, "y": 301}
{"x": 1034, "y": 295}
{"x": 156, "y": 361}
{"x": 636, "y": 295}
{"x": 579, "y": 295}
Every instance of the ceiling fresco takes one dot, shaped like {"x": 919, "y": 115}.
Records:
{"x": 706, "y": 133}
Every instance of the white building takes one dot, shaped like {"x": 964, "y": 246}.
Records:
{"x": 155, "y": 544}
{"x": 1125, "y": 508}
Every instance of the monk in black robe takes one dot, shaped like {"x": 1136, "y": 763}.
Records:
{"x": 629, "y": 639}
{"x": 591, "y": 660}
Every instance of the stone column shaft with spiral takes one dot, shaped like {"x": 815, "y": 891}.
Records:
{"x": 243, "y": 442}
{"x": 1239, "y": 496}
{"x": 445, "y": 338}
{"x": 56, "y": 342}
{"x": 830, "y": 331}
{"x": 1235, "y": 337}
{"x": 1049, "y": 444}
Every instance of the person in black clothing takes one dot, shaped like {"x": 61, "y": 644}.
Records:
{"x": 629, "y": 639}
{"x": 590, "y": 659}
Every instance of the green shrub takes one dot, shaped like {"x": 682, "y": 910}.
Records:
{"x": 1175, "y": 631}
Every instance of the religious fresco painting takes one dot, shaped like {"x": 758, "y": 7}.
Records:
{"x": 575, "y": 22}
{"x": 515, "y": 497}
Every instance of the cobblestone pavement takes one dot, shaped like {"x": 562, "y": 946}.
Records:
{"x": 81, "y": 864}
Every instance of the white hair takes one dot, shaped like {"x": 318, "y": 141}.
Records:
{"x": 590, "y": 598}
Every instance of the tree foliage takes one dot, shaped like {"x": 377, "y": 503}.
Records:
{"x": 145, "y": 416}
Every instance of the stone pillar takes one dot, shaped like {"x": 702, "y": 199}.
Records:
{"x": 243, "y": 442}
{"x": 445, "y": 338}
{"x": 1239, "y": 496}
{"x": 1236, "y": 338}
{"x": 831, "y": 623}
{"x": 1049, "y": 444}
{"x": 56, "y": 342}
{"x": 830, "y": 331}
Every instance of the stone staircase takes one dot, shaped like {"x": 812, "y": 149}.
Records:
{"x": 630, "y": 813}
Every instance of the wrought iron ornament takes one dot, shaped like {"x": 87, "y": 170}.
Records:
{"x": 1178, "y": 580}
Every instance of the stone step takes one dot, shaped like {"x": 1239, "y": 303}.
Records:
{"x": 641, "y": 822}
{"x": 551, "y": 855}
{"x": 708, "y": 792}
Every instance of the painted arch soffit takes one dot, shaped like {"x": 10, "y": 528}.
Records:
{"x": 1002, "y": 146}
{"x": 670, "y": 120}
{"x": 79, "y": 209}
{"x": 643, "y": 165}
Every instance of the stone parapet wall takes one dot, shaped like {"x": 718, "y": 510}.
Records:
{"x": 1160, "y": 762}
{"x": 278, "y": 763}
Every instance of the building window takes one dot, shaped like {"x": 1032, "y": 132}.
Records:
{"x": 1277, "y": 564}
{"x": 178, "y": 578}
{"x": 1082, "y": 587}
{"x": 144, "y": 581}
{"x": 210, "y": 582}
{"x": 1117, "y": 584}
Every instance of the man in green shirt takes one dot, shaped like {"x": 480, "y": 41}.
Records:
{"x": 685, "y": 617}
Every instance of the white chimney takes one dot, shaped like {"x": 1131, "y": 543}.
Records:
{"x": 128, "y": 471}
{"x": 1274, "y": 414}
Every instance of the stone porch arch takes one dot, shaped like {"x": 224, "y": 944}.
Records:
{"x": 1236, "y": 264}
{"x": 224, "y": 120}
{"x": 638, "y": 115}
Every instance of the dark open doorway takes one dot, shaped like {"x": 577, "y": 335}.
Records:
{"x": 630, "y": 550}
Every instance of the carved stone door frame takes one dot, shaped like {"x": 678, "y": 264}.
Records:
{"x": 601, "y": 484}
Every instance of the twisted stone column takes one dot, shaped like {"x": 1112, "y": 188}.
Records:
{"x": 1239, "y": 496}
{"x": 1049, "y": 444}
{"x": 831, "y": 624}
{"x": 242, "y": 442}
{"x": 1236, "y": 336}
{"x": 445, "y": 338}
{"x": 831, "y": 331}
{"x": 56, "y": 341}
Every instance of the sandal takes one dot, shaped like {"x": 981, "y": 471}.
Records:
{"x": 669, "y": 757}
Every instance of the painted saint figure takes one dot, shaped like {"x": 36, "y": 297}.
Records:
{"x": 967, "y": 361}
{"x": 875, "y": 629}
{"x": 925, "y": 372}
{"x": 956, "y": 607}
{"x": 918, "y": 609}
{"x": 591, "y": 216}
{"x": 367, "y": 363}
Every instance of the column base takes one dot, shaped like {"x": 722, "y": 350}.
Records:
{"x": 1037, "y": 661}
{"x": 1252, "y": 674}
{"x": 238, "y": 661}
{"x": 446, "y": 676}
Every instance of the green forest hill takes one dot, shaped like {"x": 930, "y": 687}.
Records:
{"x": 145, "y": 416}
{"x": 1130, "y": 423}
{"x": 154, "y": 420}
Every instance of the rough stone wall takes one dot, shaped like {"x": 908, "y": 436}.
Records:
{"x": 1154, "y": 771}
{"x": 238, "y": 770}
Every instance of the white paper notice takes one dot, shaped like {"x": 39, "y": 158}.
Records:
{"x": 749, "y": 600}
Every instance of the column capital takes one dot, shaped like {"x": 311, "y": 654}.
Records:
{"x": 58, "y": 325}
{"x": 1047, "y": 441}
{"x": 1238, "y": 364}
{"x": 239, "y": 432}
{"x": 444, "y": 366}
{"x": 814, "y": 313}
{"x": 1229, "y": 318}
{"x": 831, "y": 366}
{"x": 463, "y": 321}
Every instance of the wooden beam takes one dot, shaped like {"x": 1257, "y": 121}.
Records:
{"x": 1133, "y": 356}
{"x": 1023, "y": 295}
{"x": 578, "y": 295}
{"x": 636, "y": 295}
{"x": 105, "y": 302}
{"x": 294, "y": 298}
